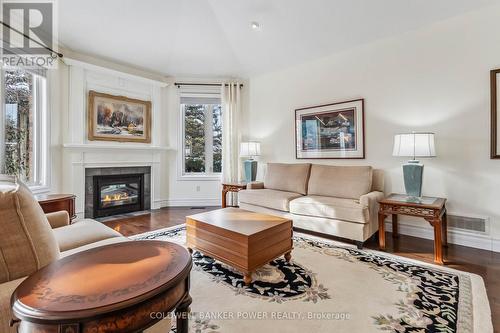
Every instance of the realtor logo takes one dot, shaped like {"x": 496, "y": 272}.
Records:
{"x": 28, "y": 34}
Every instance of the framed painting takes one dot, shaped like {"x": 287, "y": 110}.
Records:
{"x": 495, "y": 119}
{"x": 118, "y": 118}
{"x": 330, "y": 131}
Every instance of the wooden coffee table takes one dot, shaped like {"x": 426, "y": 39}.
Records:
{"x": 242, "y": 239}
{"x": 123, "y": 287}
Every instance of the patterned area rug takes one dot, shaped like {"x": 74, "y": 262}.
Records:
{"x": 332, "y": 287}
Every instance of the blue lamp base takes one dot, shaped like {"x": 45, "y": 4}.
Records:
{"x": 250, "y": 167}
{"x": 413, "y": 172}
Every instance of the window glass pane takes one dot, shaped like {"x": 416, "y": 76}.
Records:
{"x": 20, "y": 130}
{"x": 217, "y": 139}
{"x": 194, "y": 138}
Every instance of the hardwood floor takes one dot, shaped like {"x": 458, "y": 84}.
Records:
{"x": 481, "y": 262}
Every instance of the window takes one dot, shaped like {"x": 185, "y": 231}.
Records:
{"x": 22, "y": 122}
{"x": 201, "y": 135}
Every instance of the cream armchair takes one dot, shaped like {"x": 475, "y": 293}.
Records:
{"x": 31, "y": 240}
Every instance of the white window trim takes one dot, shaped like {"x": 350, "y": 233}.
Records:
{"x": 42, "y": 133}
{"x": 181, "y": 175}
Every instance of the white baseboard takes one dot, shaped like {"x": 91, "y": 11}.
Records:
{"x": 186, "y": 203}
{"x": 477, "y": 241}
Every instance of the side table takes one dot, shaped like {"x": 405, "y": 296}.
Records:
{"x": 118, "y": 288}
{"x": 56, "y": 202}
{"x": 231, "y": 187}
{"x": 432, "y": 209}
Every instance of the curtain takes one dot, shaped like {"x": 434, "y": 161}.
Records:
{"x": 231, "y": 109}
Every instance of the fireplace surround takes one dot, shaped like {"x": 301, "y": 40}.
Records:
{"x": 116, "y": 190}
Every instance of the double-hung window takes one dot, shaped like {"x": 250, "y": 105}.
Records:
{"x": 23, "y": 124}
{"x": 201, "y": 122}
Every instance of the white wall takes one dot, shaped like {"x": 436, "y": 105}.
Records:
{"x": 435, "y": 79}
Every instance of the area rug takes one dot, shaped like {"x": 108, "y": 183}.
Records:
{"x": 332, "y": 287}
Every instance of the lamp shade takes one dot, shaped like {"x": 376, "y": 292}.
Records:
{"x": 251, "y": 148}
{"x": 414, "y": 145}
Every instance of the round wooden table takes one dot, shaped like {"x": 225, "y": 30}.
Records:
{"x": 123, "y": 287}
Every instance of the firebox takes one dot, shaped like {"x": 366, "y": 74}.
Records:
{"x": 118, "y": 194}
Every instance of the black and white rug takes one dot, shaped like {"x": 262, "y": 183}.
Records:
{"x": 333, "y": 287}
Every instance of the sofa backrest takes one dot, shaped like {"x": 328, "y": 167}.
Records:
{"x": 349, "y": 182}
{"x": 27, "y": 242}
{"x": 378, "y": 180}
{"x": 287, "y": 177}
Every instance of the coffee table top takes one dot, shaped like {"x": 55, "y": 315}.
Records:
{"x": 100, "y": 280}
{"x": 239, "y": 220}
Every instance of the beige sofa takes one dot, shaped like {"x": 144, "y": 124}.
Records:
{"x": 336, "y": 200}
{"x": 30, "y": 239}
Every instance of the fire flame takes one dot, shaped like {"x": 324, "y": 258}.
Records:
{"x": 115, "y": 197}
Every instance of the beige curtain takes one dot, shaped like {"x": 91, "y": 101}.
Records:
{"x": 231, "y": 109}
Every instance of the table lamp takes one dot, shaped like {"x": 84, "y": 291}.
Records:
{"x": 414, "y": 145}
{"x": 250, "y": 149}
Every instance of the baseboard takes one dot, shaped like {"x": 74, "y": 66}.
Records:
{"x": 454, "y": 237}
{"x": 186, "y": 203}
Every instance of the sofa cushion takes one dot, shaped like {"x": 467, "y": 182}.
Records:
{"x": 103, "y": 242}
{"x": 330, "y": 207}
{"x": 279, "y": 200}
{"x": 348, "y": 182}
{"x": 287, "y": 177}
{"x": 27, "y": 242}
{"x": 82, "y": 233}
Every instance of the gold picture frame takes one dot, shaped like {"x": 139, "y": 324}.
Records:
{"x": 118, "y": 118}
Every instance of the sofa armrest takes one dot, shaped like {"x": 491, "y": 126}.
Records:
{"x": 370, "y": 199}
{"x": 255, "y": 186}
{"x": 58, "y": 219}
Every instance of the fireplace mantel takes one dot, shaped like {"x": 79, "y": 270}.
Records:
{"x": 89, "y": 147}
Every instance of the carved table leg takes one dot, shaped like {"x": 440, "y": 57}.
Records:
{"x": 438, "y": 244}
{"x": 247, "y": 278}
{"x": 395, "y": 232}
{"x": 182, "y": 314}
{"x": 445, "y": 229}
{"x": 224, "y": 193}
{"x": 288, "y": 256}
{"x": 381, "y": 231}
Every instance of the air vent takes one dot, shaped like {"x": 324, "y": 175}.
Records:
{"x": 466, "y": 223}
{"x": 199, "y": 207}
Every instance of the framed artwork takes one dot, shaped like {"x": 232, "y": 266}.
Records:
{"x": 330, "y": 131}
{"x": 495, "y": 120}
{"x": 118, "y": 118}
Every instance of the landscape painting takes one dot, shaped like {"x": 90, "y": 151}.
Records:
{"x": 118, "y": 118}
{"x": 330, "y": 131}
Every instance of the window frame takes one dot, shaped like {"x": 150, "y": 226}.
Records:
{"x": 41, "y": 128}
{"x": 202, "y": 176}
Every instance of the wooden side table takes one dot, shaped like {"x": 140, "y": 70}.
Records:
{"x": 56, "y": 202}
{"x": 231, "y": 187}
{"x": 118, "y": 288}
{"x": 433, "y": 210}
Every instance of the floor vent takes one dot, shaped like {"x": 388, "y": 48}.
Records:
{"x": 200, "y": 207}
{"x": 466, "y": 223}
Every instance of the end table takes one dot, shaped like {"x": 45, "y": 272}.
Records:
{"x": 56, "y": 202}
{"x": 432, "y": 209}
{"x": 231, "y": 187}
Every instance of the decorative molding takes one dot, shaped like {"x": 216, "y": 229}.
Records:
{"x": 474, "y": 240}
{"x": 90, "y": 147}
{"x": 115, "y": 72}
{"x": 188, "y": 202}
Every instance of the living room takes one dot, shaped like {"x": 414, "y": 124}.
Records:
{"x": 245, "y": 166}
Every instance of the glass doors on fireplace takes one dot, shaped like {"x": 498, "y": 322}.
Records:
{"x": 117, "y": 194}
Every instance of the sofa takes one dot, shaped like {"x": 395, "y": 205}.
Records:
{"x": 31, "y": 239}
{"x": 340, "y": 201}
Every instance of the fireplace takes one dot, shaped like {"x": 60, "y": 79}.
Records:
{"x": 118, "y": 194}
{"x": 117, "y": 190}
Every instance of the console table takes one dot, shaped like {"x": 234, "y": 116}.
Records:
{"x": 231, "y": 187}
{"x": 124, "y": 287}
{"x": 56, "y": 202}
{"x": 431, "y": 209}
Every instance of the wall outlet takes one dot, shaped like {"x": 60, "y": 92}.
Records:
{"x": 197, "y": 188}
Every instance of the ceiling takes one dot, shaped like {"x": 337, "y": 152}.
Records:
{"x": 200, "y": 38}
